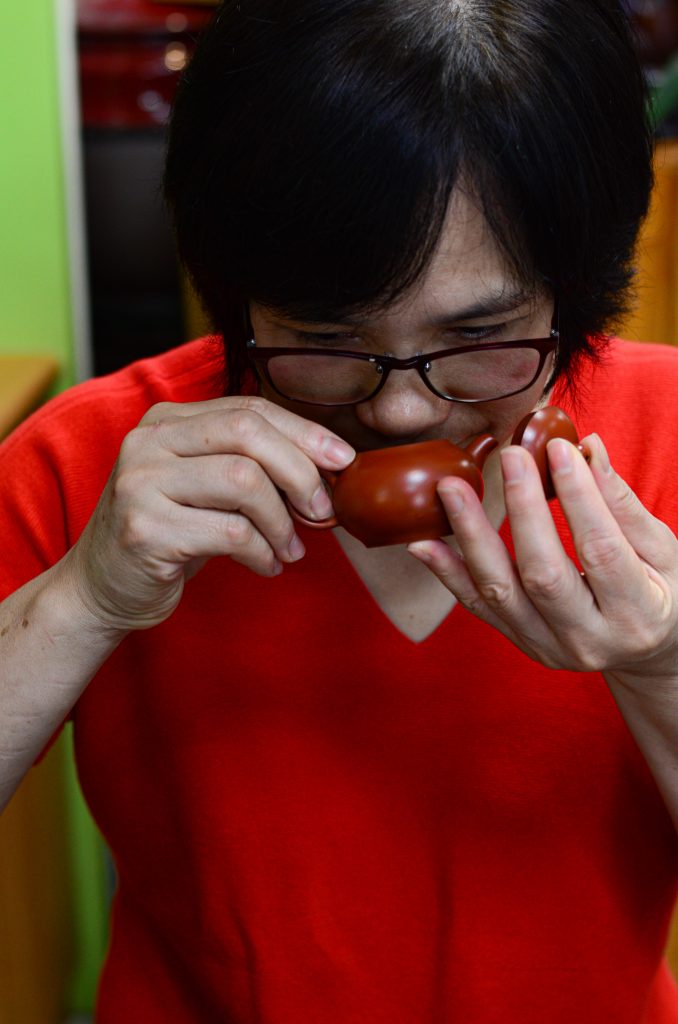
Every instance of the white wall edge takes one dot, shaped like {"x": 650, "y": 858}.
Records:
{"x": 71, "y": 149}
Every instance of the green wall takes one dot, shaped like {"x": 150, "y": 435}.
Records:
{"x": 35, "y": 298}
{"x": 37, "y": 316}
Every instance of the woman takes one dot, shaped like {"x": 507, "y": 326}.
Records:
{"x": 385, "y": 784}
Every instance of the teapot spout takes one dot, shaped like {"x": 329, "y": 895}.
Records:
{"x": 480, "y": 448}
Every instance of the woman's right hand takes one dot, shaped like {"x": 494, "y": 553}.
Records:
{"x": 194, "y": 481}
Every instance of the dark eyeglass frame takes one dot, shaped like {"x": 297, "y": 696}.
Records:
{"x": 544, "y": 346}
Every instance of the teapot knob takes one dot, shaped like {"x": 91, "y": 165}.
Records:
{"x": 535, "y": 431}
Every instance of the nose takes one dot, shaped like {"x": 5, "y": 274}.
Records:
{"x": 404, "y": 408}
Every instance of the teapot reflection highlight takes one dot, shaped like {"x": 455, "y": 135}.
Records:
{"x": 388, "y": 495}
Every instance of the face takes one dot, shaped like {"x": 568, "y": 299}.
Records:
{"x": 465, "y": 294}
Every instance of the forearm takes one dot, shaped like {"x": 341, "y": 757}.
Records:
{"x": 50, "y": 647}
{"x": 650, "y": 710}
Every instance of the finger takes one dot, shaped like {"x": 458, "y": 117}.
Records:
{"x": 532, "y": 637}
{"x": 614, "y": 572}
{"x": 321, "y": 445}
{"x": 491, "y": 569}
{"x": 243, "y": 431}
{"x": 650, "y": 538}
{"x": 234, "y": 483}
{"x": 452, "y": 571}
{"x": 207, "y": 533}
{"x": 548, "y": 575}
{"x": 449, "y": 567}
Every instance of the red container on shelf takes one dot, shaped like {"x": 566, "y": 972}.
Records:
{"x": 131, "y": 53}
{"x": 656, "y": 27}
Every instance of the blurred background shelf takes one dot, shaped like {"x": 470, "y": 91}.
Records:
{"x": 655, "y": 316}
{"x": 131, "y": 54}
{"x": 37, "y": 951}
{"x": 24, "y": 382}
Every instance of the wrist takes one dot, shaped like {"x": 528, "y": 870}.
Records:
{"x": 71, "y": 608}
{"x": 647, "y": 694}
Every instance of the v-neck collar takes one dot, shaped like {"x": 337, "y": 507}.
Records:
{"x": 325, "y": 548}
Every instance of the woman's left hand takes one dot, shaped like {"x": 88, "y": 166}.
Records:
{"x": 621, "y": 616}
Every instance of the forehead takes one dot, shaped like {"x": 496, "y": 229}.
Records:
{"x": 467, "y": 267}
{"x": 467, "y": 278}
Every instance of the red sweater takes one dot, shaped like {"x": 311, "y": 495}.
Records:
{"x": 315, "y": 819}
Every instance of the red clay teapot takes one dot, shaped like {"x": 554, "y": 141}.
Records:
{"x": 388, "y": 496}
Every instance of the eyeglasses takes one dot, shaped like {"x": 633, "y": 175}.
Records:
{"x": 484, "y": 372}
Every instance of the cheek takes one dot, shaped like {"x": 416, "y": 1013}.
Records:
{"x": 332, "y": 418}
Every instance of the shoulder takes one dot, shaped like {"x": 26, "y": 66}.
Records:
{"x": 53, "y": 467}
{"x": 629, "y": 381}
{"x": 634, "y": 365}
{"x": 191, "y": 372}
{"x": 638, "y": 365}
{"x": 630, "y": 399}
{"x": 109, "y": 407}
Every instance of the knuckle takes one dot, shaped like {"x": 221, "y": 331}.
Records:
{"x": 134, "y": 533}
{"x": 598, "y": 550}
{"x": 158, "y": 412}
{"x": 253, "y": 403}
{"x": 589, "y": 659}
{"x": 543, "y": 581}
{"x": 304, "y": 433}
{"x": 473, "y": 603}
{"x": 238, "y": 530}
{"x": 133, "y": 441}
{"x": 244, "y": 475}
{"x": 625, "y": 500}
{"x": 494, "y": 593}
{"x": 146, "y": 435}
{"x": 551, "y": 660}
{"x": 126, "y": 484}
{"x": 244, "y": 425}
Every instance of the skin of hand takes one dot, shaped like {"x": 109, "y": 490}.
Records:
{"x": 195, "y": 481}
{"x": 620, "y": 617}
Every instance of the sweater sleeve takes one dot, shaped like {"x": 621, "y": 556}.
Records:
{"x": 54, "y": 467}
{"x": 52, "y": 470}
{"x": 36, "y": 479}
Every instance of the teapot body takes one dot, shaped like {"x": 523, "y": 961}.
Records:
{"x": 389, "y": 496}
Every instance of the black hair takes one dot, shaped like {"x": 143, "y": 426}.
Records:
{"x": 314, "y": 145}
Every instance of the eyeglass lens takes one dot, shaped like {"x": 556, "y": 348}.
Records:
{"x": 479, "y": 375}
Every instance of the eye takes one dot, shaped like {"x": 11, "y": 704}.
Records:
{"x": 480, "y": 333}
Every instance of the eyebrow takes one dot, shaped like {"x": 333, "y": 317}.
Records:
{"x": 490, "y": 305}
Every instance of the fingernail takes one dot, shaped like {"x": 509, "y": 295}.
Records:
{"x": 513, "y": 465}
{"x": 338, "y": 452}
{"x": 603, "y": 457}
{"x": 454, "y": 500}
{"x": 560, "y": 455}
{"x": 420, "y": 552}
{"x": 296, "y": 549}
{"x": 321, "y": 506}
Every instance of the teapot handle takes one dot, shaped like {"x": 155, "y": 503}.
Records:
{"x": 329, "y": 479}
{"x": 538, "y": 428}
